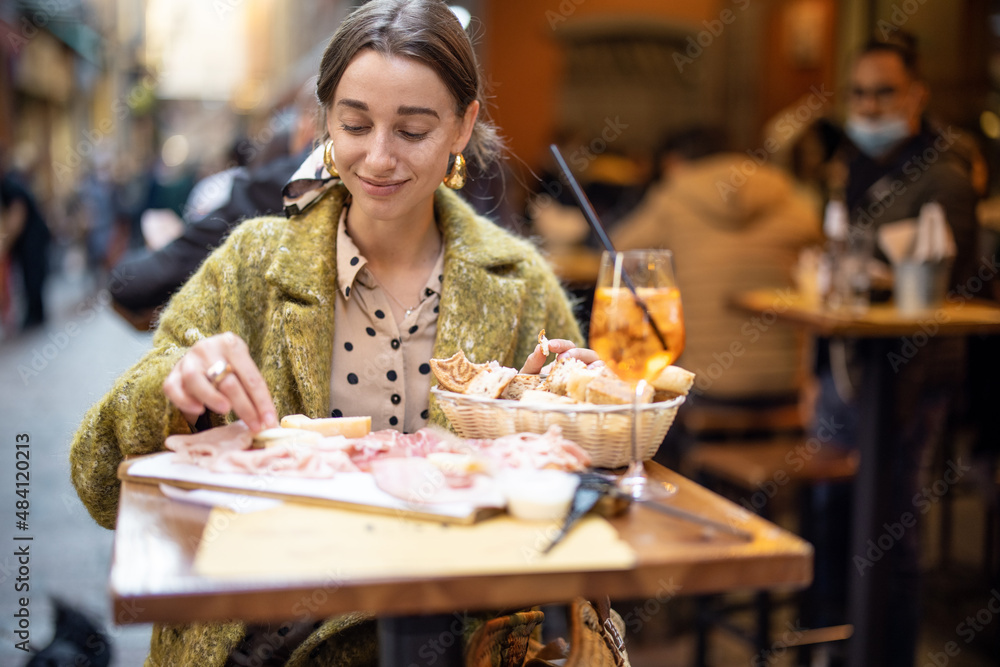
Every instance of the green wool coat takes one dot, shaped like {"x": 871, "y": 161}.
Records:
{"x": 273, "y": 284}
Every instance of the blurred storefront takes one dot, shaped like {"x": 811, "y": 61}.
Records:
{"x": 105, "y": 83}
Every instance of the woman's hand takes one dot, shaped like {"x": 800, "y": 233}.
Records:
{"x": 218, "y": 373}
{"x": 561, "y": 348}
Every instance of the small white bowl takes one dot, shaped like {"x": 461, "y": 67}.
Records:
{"x": 538, "y": 495}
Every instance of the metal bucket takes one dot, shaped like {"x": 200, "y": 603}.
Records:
{"x": 920, "y": 286}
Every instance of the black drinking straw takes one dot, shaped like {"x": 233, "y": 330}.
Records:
{"x": 591, "y": 216}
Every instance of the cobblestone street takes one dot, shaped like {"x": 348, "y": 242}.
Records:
{"x": 50, "y": 376}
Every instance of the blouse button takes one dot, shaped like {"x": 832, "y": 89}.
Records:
{"x": 395, "y": 398}
{"x": 395, "y": 343}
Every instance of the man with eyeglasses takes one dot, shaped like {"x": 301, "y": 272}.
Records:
{"x": 897, "y": 160}
{"x": 891, "y": 163}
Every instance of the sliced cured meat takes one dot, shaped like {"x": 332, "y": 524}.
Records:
{"x": 420, "y": 482}
{"x": 211, "y": 443}
{"x": 547, "y": 450}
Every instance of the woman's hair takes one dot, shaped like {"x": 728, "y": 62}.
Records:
{"x": 426, "y": 31}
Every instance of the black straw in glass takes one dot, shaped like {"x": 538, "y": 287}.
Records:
{"x": 591, "y": 215}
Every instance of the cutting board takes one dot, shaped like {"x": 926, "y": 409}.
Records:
{"x": 349, "y": 490}
{"x": 313, "y": 542}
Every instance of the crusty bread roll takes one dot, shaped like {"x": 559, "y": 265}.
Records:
{"x": 578, "y": 379}
{"x": 540, "y": 396}
{"x": 604, "y": 391}
{"x": 674, "y": 379}
{"x": 491, "y": 381}
{"x": 519, "y": 384}
{"x": 559, "y": 375}
{"x": 349, "y": 427}
{"x": 456, "y": 372}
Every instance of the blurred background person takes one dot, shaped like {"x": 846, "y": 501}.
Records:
{"x": 150, "y": 275}
{"x": 24, "y": 238}
{"x": 894, "y": 160}
{"x": 732, "y": 225}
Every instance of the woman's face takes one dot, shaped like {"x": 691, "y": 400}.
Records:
{"x": 393, "y": 126}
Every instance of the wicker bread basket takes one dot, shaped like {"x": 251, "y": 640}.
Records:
{"x": 604, "y": 431}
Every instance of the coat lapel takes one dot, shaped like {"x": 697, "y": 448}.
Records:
{"x": 304, "y": 273}
{"x": 482, "y": 295}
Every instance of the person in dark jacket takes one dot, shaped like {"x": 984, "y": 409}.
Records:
{"x": 143, "y": 281}
{"x": 894, "y": 160}
{"x": 26, "y": 237}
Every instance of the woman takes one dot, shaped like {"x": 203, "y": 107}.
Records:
{"x": 336, "y": 310}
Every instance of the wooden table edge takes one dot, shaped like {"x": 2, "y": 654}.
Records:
{"x": 790, "y": 567}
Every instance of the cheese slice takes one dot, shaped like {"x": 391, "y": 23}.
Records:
{"x": 274, "y": 436}
{"x": 349, "y": 427}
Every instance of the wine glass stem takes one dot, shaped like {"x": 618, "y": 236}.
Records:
{"x": 636, "y": 473}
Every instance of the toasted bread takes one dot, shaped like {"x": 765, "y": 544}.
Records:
{"x": 491, "y": 381}
{"x": 456, "y": 372}
{"x": 612, "y": 391}
{"x": 519, "y": 384}
{"x": 539, "y": 396}
{"x": 560, "y": 373}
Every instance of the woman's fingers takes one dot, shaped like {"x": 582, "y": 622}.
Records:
{"x": 249, "y": 395}
{"x": 173, "y": 387}
{"x": 535, "y": 363}
{"x": 241, "y": 389}
{"x": 584, "y": 354}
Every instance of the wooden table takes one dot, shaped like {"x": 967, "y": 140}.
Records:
{"x": 152, "y": 579}
{"x": 878, "y": 329}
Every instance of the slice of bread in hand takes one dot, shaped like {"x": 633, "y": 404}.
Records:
{"x": 456, "y": 372}
{"x": 674, "y": 379}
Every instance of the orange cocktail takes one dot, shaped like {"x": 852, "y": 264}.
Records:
{"x": 621, "y": 334}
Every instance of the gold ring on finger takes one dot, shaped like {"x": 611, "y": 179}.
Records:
{"x": 218, "y": 372}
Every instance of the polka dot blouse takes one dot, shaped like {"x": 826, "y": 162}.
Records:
{"x": 380, "y": 366}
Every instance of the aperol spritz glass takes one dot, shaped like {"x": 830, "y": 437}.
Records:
{"x": 637, "y": 329}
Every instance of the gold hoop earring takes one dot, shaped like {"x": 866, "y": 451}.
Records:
{"x": 331, "y": 167}
{"x": 456, "y": 176}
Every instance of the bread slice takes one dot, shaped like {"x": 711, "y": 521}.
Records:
{"x": 559, "y": 375}
{"x": 456, "y": 372}
{"x": 578, "y": 379}
{"x": 539, "y": 396}
{"x": 349, "y": 427}
{"x": 612, "y": 391}
{"x": 519, "y": 384}
{"x": 491, "y": 381}
{"x": 674, "y": 379}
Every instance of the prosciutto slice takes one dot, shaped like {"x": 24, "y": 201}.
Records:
{"x": 399, "y": 461}
{"x": 419, "y": 482}
{"x": 549, "y": 450}
{"x": 204, "y": 447}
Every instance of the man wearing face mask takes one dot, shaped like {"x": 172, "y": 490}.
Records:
{"x": 896, "y": 160}
{"x": 892, "y": 162}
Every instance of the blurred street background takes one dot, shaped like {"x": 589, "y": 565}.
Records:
{"x": 112, "y": 111}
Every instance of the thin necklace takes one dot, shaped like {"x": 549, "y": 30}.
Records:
{"x": 398, "y": 302}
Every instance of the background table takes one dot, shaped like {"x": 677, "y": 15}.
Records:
{"x": 152, "y": 579}
{"x": 878, "y": 329}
